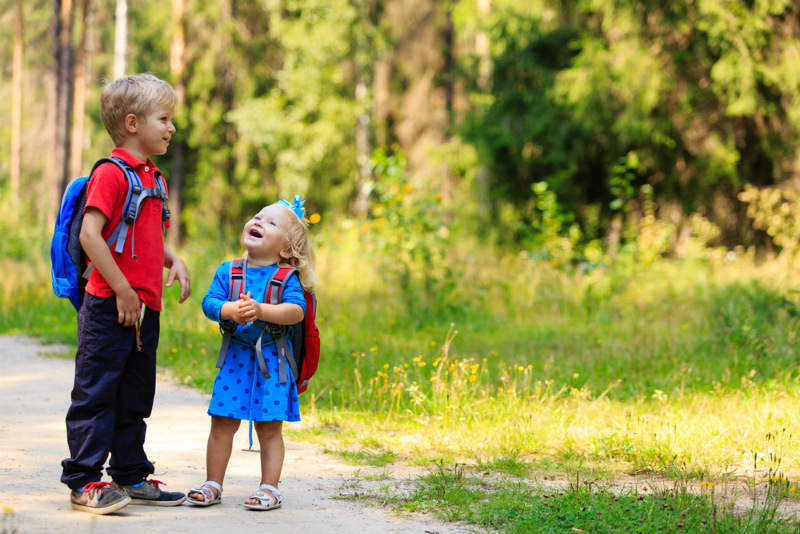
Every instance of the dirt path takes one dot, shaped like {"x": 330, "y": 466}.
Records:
{"x": 34, "y": 397}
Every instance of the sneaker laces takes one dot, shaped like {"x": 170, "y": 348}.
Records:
{"x": 155, "y": 483}
{"x": 95, "y": 486}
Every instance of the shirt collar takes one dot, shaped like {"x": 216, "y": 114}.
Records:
{"x": 132, "y": 160}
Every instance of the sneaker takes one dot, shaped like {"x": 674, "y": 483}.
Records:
{"x": 99, "y": 498}
{"x": 150, "y": 494}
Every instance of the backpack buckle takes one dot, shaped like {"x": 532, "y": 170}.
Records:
{"x": 275, "y": 330}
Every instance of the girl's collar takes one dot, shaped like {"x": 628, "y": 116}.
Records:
{"x": 258, "y": 265}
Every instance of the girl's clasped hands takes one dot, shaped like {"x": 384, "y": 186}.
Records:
{"x": 246, "y": 310}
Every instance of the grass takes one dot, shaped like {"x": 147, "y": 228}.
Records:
{"x": 516, "y": 370}
{"x": 509, "y": 505}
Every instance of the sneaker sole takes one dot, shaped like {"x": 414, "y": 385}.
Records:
{"x": 150, "y": 502}
{"x": 102, "y": 511}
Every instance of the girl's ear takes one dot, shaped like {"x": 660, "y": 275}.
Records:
{"x": 287, "y": 253}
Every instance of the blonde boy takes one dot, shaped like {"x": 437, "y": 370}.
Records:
{"x": 118, "y": 322}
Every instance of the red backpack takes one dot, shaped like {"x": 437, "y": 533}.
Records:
{"x": 303, "y": 358}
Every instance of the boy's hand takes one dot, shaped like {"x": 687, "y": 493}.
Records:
{"x": 178, "y": 270}
{"x": 247, "y": 308}
{"x": 129, "y": 307}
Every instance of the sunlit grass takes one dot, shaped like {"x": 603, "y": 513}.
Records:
{"x": 685, "y": 370}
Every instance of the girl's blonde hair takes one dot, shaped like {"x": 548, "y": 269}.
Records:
{"x": 302, "y": 252}
{"x": 138, "y": 94}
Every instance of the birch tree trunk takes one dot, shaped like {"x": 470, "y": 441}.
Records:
{"x": 176, "y": 67}
{"x": 79, "y": 102}
{"x": 121, "y": 40}
{"x": 482, "y": 45}
{"x": 16, "y": 106}
{"x": 361, "y": 203}
{"x": 482, "y": 50}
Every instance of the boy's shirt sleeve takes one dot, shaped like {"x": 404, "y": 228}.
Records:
{"x": 217, "y": 294}
{"x": 106, "y": 188}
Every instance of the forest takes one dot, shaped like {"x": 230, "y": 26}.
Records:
{"x": 556, "y": 239}
{"x": 531, "y": 121}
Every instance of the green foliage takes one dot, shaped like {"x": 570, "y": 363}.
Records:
{"x": 623, "y": 176}
{"x": 304, "y": 125}
{"x": 410, "y": 233}
{"x": 776, "y": 211}
{"x": 552, "y": 233}
{"x": 592, "y": 98}
{"x": 684, "y": 87}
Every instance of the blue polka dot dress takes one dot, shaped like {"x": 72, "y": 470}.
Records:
{"x": 240, "y": 390}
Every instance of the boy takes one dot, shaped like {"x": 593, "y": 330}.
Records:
{"x": 118, "y": 323}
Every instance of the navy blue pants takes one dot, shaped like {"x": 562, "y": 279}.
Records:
{"x": 115, "y": 384}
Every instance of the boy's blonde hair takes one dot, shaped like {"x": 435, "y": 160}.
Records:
{"x": 302, "y": 252}
{"x": 139, "y": 95}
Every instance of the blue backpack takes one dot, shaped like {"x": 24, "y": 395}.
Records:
{"x": 66, "y": 254}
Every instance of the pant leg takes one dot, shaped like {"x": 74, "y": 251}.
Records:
{"x": 129, "y": 464}
{"x": 103, "y": 349}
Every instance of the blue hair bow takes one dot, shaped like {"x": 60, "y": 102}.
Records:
{"x": 296, "y": 207}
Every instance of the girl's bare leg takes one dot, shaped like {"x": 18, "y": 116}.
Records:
{"x": 270, "y": 439}
{"x": 218, "y": 450}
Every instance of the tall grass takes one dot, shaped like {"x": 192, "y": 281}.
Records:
{"x": 685, "y": 369}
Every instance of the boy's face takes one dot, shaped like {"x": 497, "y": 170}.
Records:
{"x": 264, "y": 235}
{"x": 151, "y": 134}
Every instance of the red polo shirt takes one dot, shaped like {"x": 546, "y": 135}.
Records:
{"x": 107, "y": 191}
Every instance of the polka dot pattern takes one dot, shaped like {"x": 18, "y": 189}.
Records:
{"x": 240, "y": 391}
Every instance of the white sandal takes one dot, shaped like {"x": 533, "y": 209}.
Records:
{"x": 209, "y": 497}
{"x": 267, "y": 500}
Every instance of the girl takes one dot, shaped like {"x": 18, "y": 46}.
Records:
{"x": 278, "y": 234}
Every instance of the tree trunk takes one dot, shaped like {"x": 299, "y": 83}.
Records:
{"x": 79, "y": 104}
{"x": 121, "y": 40}
{"x": 16, "y": 107}
{"x": 177, "y": 67}
{"x": 448, "y": 78}
{"x": 381, "y": 98}
{"x": 63, "y": 95}
{"x": 482, "y": 45}
{"x": 361, "y": 203}
{"x": 482, "y": 50}
{"x": 52, "y": 113}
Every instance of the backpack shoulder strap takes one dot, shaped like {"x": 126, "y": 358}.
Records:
{"x": 136, "y": 195}
{"x": 275, "y": 285}
{"x": 161, "y": 184}
{"x": 132, "y": 178}
{"x": 130, "y": 207}
{"x": 237, "y": 279}
{"x": 237, "y": 282}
